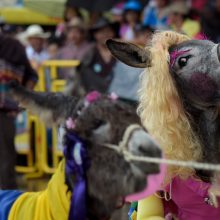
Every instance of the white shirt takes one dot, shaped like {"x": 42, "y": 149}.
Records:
{"x": 35, "y": 56}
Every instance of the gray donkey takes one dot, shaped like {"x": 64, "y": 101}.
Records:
{"x": 182, "y": 77}
{"x": 98, "y": 177}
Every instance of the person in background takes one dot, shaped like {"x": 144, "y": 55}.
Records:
{"x": 210, "y": 18}
{"x": 198, "y": 5}
{"x": 14, "y": 66}
{"x": 53, "y": 47}
{"x": 178, "y": 19}
{"x": 10, "y": 29}
{"x": 53, "y": 50}
{"x": 76, "y": 43}
{"x": 69, "y": 14}
{"x": 117, "y": 12}
{"x": 36, "y": 51}
{"x": 127, "y": 89}
{"x": 155, "y": 14}
{"x": 95, "y": 71}
{"x": 142, "y": 35}
{"x": 132, "y": 12}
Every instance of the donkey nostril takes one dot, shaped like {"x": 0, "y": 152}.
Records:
{"x": 143, "y": 149}
{"x": 150, "y": 151}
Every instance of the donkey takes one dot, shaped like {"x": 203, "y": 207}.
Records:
{"x": 99, "y": 177}
{"x": 182, "y": 77}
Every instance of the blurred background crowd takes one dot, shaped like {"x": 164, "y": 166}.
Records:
{"x": 84, "y": 28}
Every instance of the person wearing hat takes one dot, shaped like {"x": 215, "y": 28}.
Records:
{"x": 95, "y": 71}
{"x": 76, "y": 45}
{"x": 117, "y": 12}
{"x": 143, "y": 35}
{"x": 35, "y": 50}
{"x": 132, "y": 12}
{"x": 179, "y": 20}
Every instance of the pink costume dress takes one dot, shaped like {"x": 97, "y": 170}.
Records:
{"x": 190, "y": 200}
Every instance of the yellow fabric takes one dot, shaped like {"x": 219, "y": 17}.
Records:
{"x": 50, "y": 204}
{"x": 133, "y": 215}
{"x": 150, "y": 208}
{"x": 22, "y": 15}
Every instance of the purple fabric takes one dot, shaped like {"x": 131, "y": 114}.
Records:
{"x": 77, "y": 163}
{"x": 189, "y": 200}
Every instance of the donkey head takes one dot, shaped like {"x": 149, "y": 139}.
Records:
{"x": 194, "y": 65}
{"x": 110, "y": 177}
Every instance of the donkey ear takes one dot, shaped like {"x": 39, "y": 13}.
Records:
{"x": 129, "y": 54}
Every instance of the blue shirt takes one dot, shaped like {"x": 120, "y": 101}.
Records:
{"x": 7, "y": 198}
{"x": 151, "y": 18}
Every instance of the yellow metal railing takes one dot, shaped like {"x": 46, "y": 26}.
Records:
{"x": 55, "y": 64}
{"x": 39, "y": 164}
{"x": 29, "y": 151}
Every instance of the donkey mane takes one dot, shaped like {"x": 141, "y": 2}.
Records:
{"x": 161, "y": 107}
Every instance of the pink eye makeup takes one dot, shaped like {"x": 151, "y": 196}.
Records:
{"x": 175, "y": 54}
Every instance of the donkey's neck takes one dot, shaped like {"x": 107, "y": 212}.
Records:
{"x": 206, "y": 124}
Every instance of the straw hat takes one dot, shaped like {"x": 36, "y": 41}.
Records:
{"x": 36, "y": 31}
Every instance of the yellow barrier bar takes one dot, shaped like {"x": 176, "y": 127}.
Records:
{"x": 61, "y": 63}
{"x": 41, "y": 165}
{"x": 44, "y": 155}
{"x": 52, "y": 66}
{"x": 53, "y": 73}
{"x": 38, "y": 150}
{"x": 41, "y": 85}
{"x": 58, "y": 85}
{"x": 31, "y": 166}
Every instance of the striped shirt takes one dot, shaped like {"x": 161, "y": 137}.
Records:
{"x": 9, "y": 72}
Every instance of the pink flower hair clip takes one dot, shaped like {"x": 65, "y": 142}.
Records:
{"x": 92, "y": 97}
{"x": 113, "y": 96}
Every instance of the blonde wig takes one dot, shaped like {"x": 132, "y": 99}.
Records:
{"x": 161, "y": 108}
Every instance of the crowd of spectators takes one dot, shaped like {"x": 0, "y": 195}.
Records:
{"x": 82, "y": 37}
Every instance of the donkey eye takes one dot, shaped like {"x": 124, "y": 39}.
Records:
{"x": 183, "y": 61}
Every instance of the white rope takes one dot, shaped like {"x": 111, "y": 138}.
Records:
{"x": 196, "y": 165}
{"x": 191, "y": 164}
{"x": 122, "y": 149}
